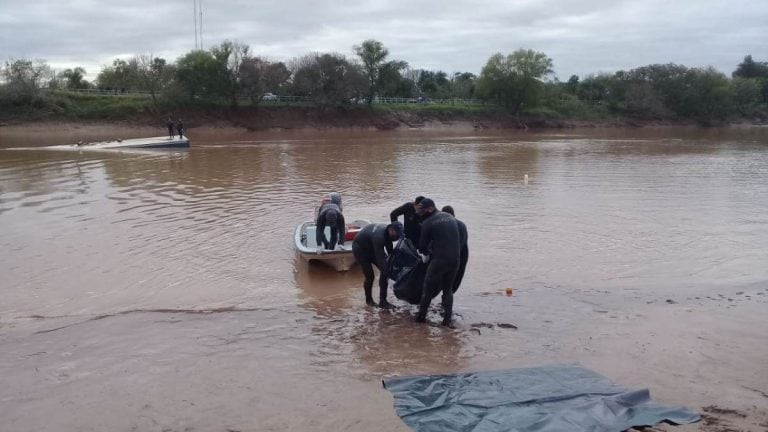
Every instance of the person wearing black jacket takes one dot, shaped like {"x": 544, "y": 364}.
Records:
{"x": 330, "y": 215}
{"x": 369, "y": 249}
{"x": 440, "y": 247}
{"x": 464, "y": 255}
{"x": 171, "y": 128}
{"x": 180, "y": 128}
{"x": 411, "y": 220}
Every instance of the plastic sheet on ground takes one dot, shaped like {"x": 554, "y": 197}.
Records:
{"x": 542, "y": 399}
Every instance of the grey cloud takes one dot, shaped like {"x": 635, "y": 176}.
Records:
{"x": 582, "y": 37}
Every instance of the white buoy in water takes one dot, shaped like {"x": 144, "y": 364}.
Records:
{"x": 525, "y": 179}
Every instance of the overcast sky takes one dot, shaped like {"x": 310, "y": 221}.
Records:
{"x": 581, "y": 36}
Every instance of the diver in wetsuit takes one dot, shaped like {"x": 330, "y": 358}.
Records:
{"x": 464, "y": 255}
{"x": 411, "y": 220}
{"x": 369, "y": 249}
{"x": 440, "y": 248}
{"x": 330, "y": 215}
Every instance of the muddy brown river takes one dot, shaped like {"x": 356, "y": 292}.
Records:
{"x": 160, "y": 290}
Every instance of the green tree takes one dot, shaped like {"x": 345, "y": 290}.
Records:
{"x": 392, "y": 83}
{"x": 572, "y": 86}
{"x": 230, "y": 56}
{"x": 122, "y": 75}
{"x": 74, "y": 79}
{"x": 153, "y": 74}
{"x": 373, "y": 54}
{"x": 462, "y": 85}
{"x": 258, "y": 76}
{"x": 329, "y": 79}
{"x": 24, "y": 78}
{"x": 747, "y": 95}
{"x": 200, "y": 76}
{"x": 758, "y": 71}
{"x": 434, "y": 84}
{"x": 514, "y": 80}
{"x": 751, "y": 69}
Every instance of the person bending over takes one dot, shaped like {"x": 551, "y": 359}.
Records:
{"x": 330, "y": 215}
{"x": 371, "y": 246}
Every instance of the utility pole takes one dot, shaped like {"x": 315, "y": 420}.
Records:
{"x": 201, "y": 23}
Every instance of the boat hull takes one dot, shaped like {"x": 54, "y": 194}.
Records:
{"x": 340, "y": 259}
{"x": 136, "y": 143}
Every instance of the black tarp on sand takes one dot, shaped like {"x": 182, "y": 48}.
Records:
{"x": 541, "y": 399}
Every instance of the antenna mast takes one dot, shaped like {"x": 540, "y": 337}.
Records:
{"x": 194, "y": 17}
{"x": 201, "y": 24}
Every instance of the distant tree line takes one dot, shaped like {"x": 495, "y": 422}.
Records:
{"x": 519, "y": 82}
{"x": 672, "y": 91}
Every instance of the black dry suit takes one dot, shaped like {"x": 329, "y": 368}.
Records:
{"x": 369, "y": 247}
{"x": 411, "y": 220}
{"x": 441, "y": 241}
{"x": 330, "y": 215}
{"x": 463, "y": 255}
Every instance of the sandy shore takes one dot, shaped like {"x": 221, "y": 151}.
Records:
{"x": 125, "y": 371}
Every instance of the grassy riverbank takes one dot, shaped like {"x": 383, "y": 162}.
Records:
{"x": 143, "y": 111}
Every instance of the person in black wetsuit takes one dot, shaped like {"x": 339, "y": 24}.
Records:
{"x": 464, "y": 255}
{"x": 330, "y": 215}
{"x": 439, "y": 245}
{"x": 180, "y": 128}
{"x": 411, "y": 220}
{"x": 369, "y": 249}
{"x": 171, "y": 130}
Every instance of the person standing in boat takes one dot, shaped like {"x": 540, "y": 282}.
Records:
{"x": 330, "y": 216}
{"x": 180, "y": 128}
{"x": 439, "y": 246}
{"x": 411, "y": 220}
{"x": 171, "y": 128}
{"x": 464, "y": 253}
{"x": 371, "y": 247}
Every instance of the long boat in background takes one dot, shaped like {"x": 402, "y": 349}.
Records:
{"x": 135, "y": 143}
{"x": 156, "y": 142}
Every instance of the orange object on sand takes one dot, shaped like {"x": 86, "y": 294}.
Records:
{"x": 509, "y": 291}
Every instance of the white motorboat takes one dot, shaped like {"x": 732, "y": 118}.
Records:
{"x": 341, "y": 258}
{"x": 136, "y": 143}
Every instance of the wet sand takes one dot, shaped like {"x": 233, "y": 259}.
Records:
{"x": 161, "y": 292}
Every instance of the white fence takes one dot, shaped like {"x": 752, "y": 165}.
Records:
{"x": 274, "y": 99}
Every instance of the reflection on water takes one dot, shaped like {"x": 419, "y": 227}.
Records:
{"x": 607, "y": 220}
